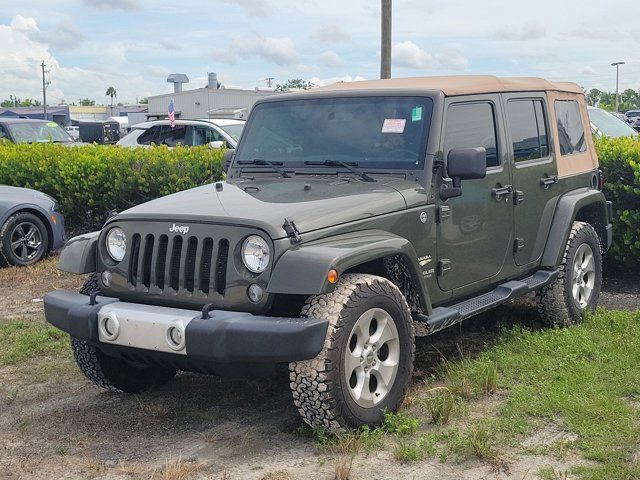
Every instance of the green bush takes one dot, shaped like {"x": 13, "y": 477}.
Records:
{"x": 620, "y": 164}
{"x": 88, "y": 181}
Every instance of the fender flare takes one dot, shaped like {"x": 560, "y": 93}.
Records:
{"x": 566, "y": 211}
{"x": 303, "y": 270}
{"x": 79, "y": 255}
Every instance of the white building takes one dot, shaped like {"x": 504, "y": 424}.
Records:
{"x": 207, "y": 102}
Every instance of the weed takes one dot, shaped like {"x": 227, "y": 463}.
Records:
{"x": 478, "y": 439}
{"x": 440, "y": 403}
{"x": 62, "y": 451}
{"x": 400, "y": 423}
{"x": 350, "y": 442}
{"x": 407, "y": 451}
{"x": 178, "y": 469}
{"x": 277, "y": 475}
{"x": 550, "y": 473}
{"x": 489, "y": 378}
{"x": 342, "y": 467}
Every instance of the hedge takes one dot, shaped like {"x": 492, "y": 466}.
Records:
{"x": 620, "y": 164}
{"x": 89, "y": 181}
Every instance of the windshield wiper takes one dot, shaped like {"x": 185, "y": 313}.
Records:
{"x": 348, "y": 165}
{"x": 266, "y": 163}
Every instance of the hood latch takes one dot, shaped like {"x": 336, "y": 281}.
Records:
{"x": 292, "y": 231}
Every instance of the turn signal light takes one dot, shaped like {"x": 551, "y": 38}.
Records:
{"x": 332, "y": 276}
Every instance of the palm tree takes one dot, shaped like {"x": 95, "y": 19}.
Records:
{"x": 111, "y": 92}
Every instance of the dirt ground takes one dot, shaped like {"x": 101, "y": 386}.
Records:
{"x": 55, "y": 424}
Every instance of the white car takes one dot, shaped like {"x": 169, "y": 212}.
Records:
{"x": 74, "y": 132}
{"x": 217, "y": 132}
{"x": 605, "y": 124}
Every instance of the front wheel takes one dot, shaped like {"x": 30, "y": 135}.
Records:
{"x": 365, "y": 366}
{"x": 24, "y": 240}
{"x": 577, "y": 289}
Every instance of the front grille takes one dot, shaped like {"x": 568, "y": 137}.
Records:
{"x": 179, "y": 264}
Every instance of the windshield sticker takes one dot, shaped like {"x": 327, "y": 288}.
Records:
{"x": 416, "y": 114}
{"x": 52, "y": 124}
{"x": 393, "y": 125}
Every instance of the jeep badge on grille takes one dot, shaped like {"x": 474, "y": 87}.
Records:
{"x": 183, "y": 229}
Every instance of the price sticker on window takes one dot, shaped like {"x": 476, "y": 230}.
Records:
{"x": 393, "y": 125}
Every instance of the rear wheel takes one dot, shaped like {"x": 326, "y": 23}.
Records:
{"x": 24, "y": 240}
{"x": 365, "y": 366}
{"x": 577, "y": 289}
{"x": 113, "y": 373}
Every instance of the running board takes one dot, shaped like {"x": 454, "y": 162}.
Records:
{"x": 444, "y": 317}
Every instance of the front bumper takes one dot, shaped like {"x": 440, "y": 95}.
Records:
{"x": 233, "y": 337}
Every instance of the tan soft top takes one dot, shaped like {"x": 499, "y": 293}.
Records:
{"x": 458, "y": 85}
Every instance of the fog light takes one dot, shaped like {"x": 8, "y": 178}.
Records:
{"x": 175, "y": 337}
{"x": 255, "y": 292}
{"x": 106, "y": 278}
{"x": 109, "y": 326}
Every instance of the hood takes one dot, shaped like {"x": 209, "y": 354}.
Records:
{"x": 23, "y": 195}
{"x": 312, "y": 203}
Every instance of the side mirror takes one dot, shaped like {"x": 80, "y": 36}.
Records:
{"x": 227, "y": 157}
{"x": 217, "y": 144}
{"x": 464, "y": 164}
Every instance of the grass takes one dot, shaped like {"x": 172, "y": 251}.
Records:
{"x": 23, "y": 339}
{"x": 586, "y": 376}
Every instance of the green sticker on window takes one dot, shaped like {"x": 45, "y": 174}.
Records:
{"x": 416, "y": 114}
{"x": 52, "y": 124}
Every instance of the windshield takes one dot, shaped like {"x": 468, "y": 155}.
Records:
{"x": 610, "y": 125}
{"x": 372, "y": 132}
{"x": 233, "y": 130}
{"x": 27, "y": 132}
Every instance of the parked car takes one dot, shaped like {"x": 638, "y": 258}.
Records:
{"x": 605, "y": 124}
{"x": 216, "y": 132}
{"x": 73, "y": 131}
{"x": 353, "y": 218}
{"x": 30, "y": 226}
{"x": 633, "y": 117}
{"x": 27, "y": 130}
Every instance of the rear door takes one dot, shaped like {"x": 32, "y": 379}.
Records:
{"x": 534, "y": 176}
{"x": 475, "y": 230}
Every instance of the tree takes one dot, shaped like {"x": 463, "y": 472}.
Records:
{"x": 16, "y": 102}
{"x": 87, "y": 102}
{"x": 593, "y": 97}
{"x": 144, "y": 101}
{"x": 294, "y": 84}
{"x": 111, "y": 92}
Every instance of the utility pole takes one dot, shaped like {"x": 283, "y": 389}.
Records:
{"x": 268, "y": 81}
{"x": 45, "y": 84}
{"x": 385, "y": 40}
{"x": 617, "y": 65}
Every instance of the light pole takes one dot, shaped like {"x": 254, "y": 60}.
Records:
{"x": 617, "y": 65}
{"x": 45, "y": 84}
{"x": 385, "y": 40}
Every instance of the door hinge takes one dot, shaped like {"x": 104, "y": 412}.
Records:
{"x": 291, "y": 230}
{"x": 444, "y": 266}
{"x": 518, "y": 197}
{"x": 518, "y": 244}
{"x": 444, "y": 212}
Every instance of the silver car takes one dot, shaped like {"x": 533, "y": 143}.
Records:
{"x": 217, "y": 132}
{"x": 605, "y": 124}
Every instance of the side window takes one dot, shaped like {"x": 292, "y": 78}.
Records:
{"x": 570, "y": 130}
{"x": 472, "y": 125}
{"x": 528, "y": 129}
{"x": 172, "y": 136}
{"x": 204, "y": 135}
{"x": 149, "y": 136}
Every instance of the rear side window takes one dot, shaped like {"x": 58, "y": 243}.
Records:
{"x": 149, "y": 136}
{"x": 571, "y": 134}
{"x": 172, "y": 136}
{"x": 471, "y": 125}
{"x": 528, "y": 129}
{"x": 204, "y": 135}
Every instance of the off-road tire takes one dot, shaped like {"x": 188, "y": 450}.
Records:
{"x": 318, "y": 385}
{"x": 111, "y": 373}
{"x": 7, "y": 256}
{"x": 555, "y": 303}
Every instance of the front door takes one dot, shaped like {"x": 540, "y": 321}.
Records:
{"x": 535, "y": 175}
{"x": 474, "y": 236}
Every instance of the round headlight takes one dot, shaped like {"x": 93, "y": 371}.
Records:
{"x": 255, "y": 254}
{"x": 116, "y": 244}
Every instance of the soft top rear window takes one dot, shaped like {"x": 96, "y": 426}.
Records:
{"x": 373, "y": 132}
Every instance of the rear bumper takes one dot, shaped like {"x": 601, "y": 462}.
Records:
{"x": 233, "y": 337}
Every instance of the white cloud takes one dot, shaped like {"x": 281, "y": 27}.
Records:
{"x": 588, "y": 70}
{"x": 278, "y": 50}
{"x": 330, "y": 59}
{"x": 530, "y": 31}
{"x": 331, "y": 33}
{"x": 319, "y": 82}
{"x": 66, "y": 35}
{"x": 451, "y": 57}
{"x": 255, "y": 8}
{"x": 409, "y": 55}
{"x": 130, "y": 5}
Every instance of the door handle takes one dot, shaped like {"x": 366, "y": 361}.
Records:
{"x": 498, "y": 191}
{"x": 548, "y": 181}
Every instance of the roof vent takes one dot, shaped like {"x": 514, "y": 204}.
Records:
{"x": 177, "y": 79}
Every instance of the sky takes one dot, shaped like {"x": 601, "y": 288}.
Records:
{"x": 132, "y": 45}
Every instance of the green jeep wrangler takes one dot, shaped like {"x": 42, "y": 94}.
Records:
{"x": 354, "y": 217}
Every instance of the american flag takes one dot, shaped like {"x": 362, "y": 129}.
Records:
{"x": 172, "y": 114}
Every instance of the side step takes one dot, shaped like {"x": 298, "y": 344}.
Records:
{"x": 444, "y": 317}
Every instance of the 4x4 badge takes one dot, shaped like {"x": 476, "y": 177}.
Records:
{"x": 183, "y": 229}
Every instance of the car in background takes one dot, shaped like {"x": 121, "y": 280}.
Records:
{"x": 605, "y": 124}
{"x": 30, "y": 226}
{"x": 216, "y": 132}
{"x": 27, "y": 130}
{"x": 74, "y": 132}
{"x": 633, "y": 117}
